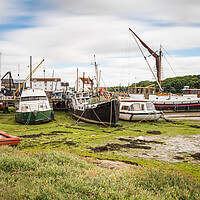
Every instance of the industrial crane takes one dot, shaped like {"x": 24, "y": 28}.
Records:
{"x": 28, "y": 77}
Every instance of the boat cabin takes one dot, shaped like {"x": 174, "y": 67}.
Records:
{"x": 137, "y": 106}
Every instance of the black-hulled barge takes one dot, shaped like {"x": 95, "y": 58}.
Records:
{"x": 95, "y": 109}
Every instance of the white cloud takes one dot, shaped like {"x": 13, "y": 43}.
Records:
{"x": 67, "y": 37}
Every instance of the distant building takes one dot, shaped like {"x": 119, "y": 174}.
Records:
{"x": 87, "y": 83}
{"x": 49, "y": 84}
{"x": 191, "y": 91}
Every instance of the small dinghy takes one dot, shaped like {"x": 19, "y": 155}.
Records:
{"x": 6, "y": 139}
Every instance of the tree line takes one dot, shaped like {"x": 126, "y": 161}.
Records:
{"x": 173, "y": 85}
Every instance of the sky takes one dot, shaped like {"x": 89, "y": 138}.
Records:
{"x": 67, "y": 34}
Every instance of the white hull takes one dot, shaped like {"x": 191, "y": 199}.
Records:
{"x": 152, "y": 116}
{"x": 138, "y": 110}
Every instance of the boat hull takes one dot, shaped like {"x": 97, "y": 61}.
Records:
{"x": 151, "y": 116}
{"x": 35, "y": 117}
{"x": 6, "y": 139}
{"x": 177, "y": 106}
{"x": 105, "y": 113}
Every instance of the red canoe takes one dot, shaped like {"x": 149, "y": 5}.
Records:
{"x": 6, "y": 139}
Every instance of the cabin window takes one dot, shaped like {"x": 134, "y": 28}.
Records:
{"x": 125, "y": 107}
{"x": 83, "y": 100}
{"x": 142, "y": 107}
{"x": 137, "y": 107}
{"x": 34, "y": 98}
{"x": 131, "y": 108}
{"x": 85, "y": 94}
{"x": 150, "y": 106}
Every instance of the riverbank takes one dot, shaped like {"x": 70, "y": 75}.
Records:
{"x": 183, "y": 115}
{"x": 169, "y": 147}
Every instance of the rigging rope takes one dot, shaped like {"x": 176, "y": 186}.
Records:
{"x": 170, "y": 65}
{"x": 146, "y": 61}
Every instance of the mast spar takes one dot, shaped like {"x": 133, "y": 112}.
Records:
{"x": 156, "y": 56}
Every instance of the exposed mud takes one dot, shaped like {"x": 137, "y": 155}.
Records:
{"x": 135, "y": 144}
{"x": 38, "y": 135}
{"x": 42, "y": 134}
{"x": 69, "y": 143}
{"x": 182, "y": 148}
{"x": 61, "y": 132}
{"x": 173, "y": 122}
{"x": 194, "y": 126}
{"x": 74, "y": 128}
{"x": 140, "y": 141}
{"x": 196, "y": 156}
{"x": 154, "y": 132}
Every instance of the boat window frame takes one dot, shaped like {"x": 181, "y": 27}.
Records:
{"x": 33, "y": 98}
{"x": 122, "y": 108}
{"x": 137, "y": 108}
{"x": 152, "y": 106}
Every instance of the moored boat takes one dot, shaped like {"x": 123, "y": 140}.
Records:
{"x": 190, "y": 100}
{"x": 34, "y": 107}
{"x": 6, "y": 139}
{"x": 95, "y": 109}
{"x": 138, "y": 110}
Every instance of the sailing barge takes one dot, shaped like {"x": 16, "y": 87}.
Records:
{"x": 95, "y": 109}
{"x": 168, "y": 102}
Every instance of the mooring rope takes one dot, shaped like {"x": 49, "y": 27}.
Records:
{"x": 110, "y": 113}
{"x": 79, "y": 117}
{"x": 99, "y": 118}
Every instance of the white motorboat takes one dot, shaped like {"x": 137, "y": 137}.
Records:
{"x": 138, "y": 110}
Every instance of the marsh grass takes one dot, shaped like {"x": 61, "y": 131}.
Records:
{"x": 41, "y": 168}
{"x": 60, "y": 175}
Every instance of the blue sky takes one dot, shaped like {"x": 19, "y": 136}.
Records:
{"x": 68, "y": 33}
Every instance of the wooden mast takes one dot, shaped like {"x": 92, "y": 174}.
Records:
{"x": 97, "y": 74}
{"x": 156, "y": 56}
{"x": 31, "y": 72}
{"x": 159, "y": 75}
{"x": 77, "y": 80}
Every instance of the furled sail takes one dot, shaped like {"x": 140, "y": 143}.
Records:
{"x": 154, "y": 54}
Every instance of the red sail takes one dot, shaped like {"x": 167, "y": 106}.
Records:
{"x": 153, "y": 53}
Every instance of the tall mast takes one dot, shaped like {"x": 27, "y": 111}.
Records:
{"x": 77, "y": 80}
{"x": 19, "y": 76}
{"x": 83, "y": 80}
{"x": 156, "y": 56}
{"x": 52, "y": 80}
{"x": 160, "y": 70}
{"x": 97, "y": 74}
{"x": 31, "y": 72}
{"x": 99, "y": 77}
